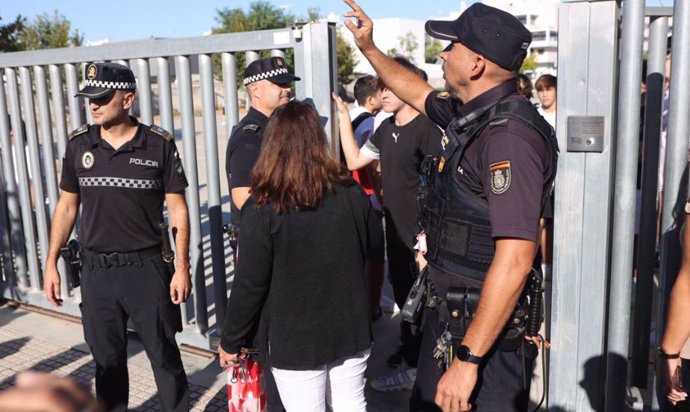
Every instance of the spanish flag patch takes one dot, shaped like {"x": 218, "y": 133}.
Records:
{"x": 500, "y": 177}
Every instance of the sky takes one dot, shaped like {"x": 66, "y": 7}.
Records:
{"x": 138, "y": 19}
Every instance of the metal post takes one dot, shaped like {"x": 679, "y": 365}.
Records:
{"x": 36, "y": 181}
{"x": 23, "y": 179}
{"x": 675, "y": 170}
{"x": 144, "y": 91}
{"x": 229, "y": 62}
{"x": 627, "y": 148}
{"x": 58, "y": 97}
{"x": 215, "y": 213}
{"x": 165, "y": 106}
{"x": 74, "y": 102}
{"x": 11, "y": 191}
{"x": 646, "y": 245}
{"x": 184, "y": 81}
{"x": 46, "y": 137}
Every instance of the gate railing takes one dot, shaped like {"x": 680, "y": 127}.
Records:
{"x": 38, "y": 93}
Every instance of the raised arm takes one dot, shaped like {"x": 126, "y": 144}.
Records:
{"x": 409, "y": 87}
{"x": 355, "y": 158}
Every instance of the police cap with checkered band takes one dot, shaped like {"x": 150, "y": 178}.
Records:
{"x": 103, "y": 78}
{"x": 493, "y": 33}
{"x": 273, "y": 69}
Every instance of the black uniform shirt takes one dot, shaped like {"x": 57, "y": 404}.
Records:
{"x": 513, "y": 150}
{"x": 243, "y": 151}
{"x": 121, "y": 191}
{"x": 401, "y": 150}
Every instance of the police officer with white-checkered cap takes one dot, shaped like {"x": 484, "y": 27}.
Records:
{"x": 268, "y": 83}
{"x": 121, "y": 172}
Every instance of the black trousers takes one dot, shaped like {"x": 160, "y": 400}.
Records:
{"x": 502, "y": 386}
{"x": 138, "y": 291}
{"x": 402, "y": 269}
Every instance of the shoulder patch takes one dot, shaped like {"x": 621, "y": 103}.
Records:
{"x": 161, "y": 132}
{"x": 443, "y": 95}
{"x": 81, "y": 130}
{"x": 251, "y": 127}
{"x": 501, "y": 177}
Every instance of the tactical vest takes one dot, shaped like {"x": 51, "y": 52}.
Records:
{"x": 456, "y": 220}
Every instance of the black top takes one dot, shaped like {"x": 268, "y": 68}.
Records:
{"x": 511, "y": 148}
{"x": 121, "y": 191}
{"x": 401, "y": 150}
{"x": 307, "y": 267}
{"x": 242, "y": 153}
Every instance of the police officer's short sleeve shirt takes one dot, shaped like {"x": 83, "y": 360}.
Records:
{"x": 243, "y": 148}
{"x": 122, "y": 191}
{"x": 505, "y": 164}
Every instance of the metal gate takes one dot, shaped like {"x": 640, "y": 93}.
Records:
{"x": 602, "y": 314}
{"x": 177, "y": 89}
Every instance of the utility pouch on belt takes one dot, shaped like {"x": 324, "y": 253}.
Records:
{"x": 416, "y": 299}
{"x": 462, "y": 304}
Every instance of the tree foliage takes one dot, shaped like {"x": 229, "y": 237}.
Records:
{"x": 49, "y": 32}
{"x": 407, "y": 45}
{"x": 9, "y": 35}
{"x": 262, "y": 15}
{"x": 529, "y": 64}
{"x": 432, "y": 50}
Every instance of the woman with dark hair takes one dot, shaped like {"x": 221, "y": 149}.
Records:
{"x": 305, "y": 235}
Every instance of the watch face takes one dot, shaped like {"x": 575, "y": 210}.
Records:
{"x": 464, "y": 353}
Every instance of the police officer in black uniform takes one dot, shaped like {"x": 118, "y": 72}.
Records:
{"x": 121, "y": 171}
{"x": 481, "y": 217}
{"x": 268, "y": 85}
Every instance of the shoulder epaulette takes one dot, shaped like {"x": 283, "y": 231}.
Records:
{"x": 161, "y": 132}
{"x": 503, "y": 122}
{"x": 251, "y": 127}
{"x": 81, "y": 130}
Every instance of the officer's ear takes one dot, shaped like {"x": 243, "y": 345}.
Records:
{"x": 128, "y": 99}
{"x": 478, "y": 66}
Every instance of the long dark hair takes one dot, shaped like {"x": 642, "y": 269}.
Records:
{"x": 294, "y": 170}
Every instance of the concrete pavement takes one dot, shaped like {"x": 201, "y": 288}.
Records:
{"x": 34, "y": 340}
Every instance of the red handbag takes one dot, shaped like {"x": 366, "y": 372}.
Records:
{"x": 246, "y": 391}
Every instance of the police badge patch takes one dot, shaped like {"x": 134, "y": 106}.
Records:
{"x": 87, "y": 160}
{"x": 500, "y": 177}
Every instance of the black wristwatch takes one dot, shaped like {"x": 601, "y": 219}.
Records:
{"x": 464, "y": 353}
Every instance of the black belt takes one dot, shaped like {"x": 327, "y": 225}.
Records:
{"x": 117, "y": 259}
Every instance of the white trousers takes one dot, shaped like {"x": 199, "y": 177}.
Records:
{"x": 339, "y": 383}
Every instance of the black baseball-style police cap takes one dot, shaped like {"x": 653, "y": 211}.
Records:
{"x": 493, "y": 33}
{"x": 273, "y": 69}
{"x": 103, "y": 78}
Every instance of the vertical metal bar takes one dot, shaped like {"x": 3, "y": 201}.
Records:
{"x": 46, "y": 137}
{"x": 184, "y": 81}
{"x": 249, "y": 56}
{"x": 36, "y": 180}
{"x": 59, "y": 118}
{"x": 73, "y": 102}
{"x": 165, "y": 106}
{"x": 278, "y": 53}
{"x": 229, "y": 62}
{"x": 11, "y": 191}
{"x": 215, "y": 214}
{"x": 144, "y": 90}
{"x": 166, "y": 121}
{"x": 675, "y": 170}
{"x": 23, "y": 179}
{"x": 646, "y": 244}
{"x": 627, "y": 149}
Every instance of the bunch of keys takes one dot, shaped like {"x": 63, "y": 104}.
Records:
{"x": 443, "y": 352}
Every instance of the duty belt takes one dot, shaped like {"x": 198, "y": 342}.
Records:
{"x": 117, "y": 259}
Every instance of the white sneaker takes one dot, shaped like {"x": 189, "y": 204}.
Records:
{"x": 400, "y": 379}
